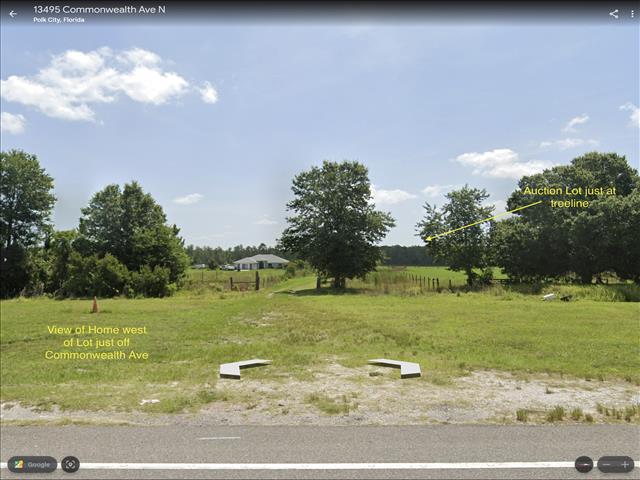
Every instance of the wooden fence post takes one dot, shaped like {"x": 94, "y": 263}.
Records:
{"x": 438, "y": 281}
{"x": 231, "y": 283}
{"x": 318, "y": 283}
{"x": 449, "y": 284}
{"x": 257, "y": 280}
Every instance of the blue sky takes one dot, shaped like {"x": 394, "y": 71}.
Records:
{"x": 214, "y": 120}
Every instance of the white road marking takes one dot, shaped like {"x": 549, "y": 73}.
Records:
{"x": 320, "y": 466}
{"x": 219, "y": 438}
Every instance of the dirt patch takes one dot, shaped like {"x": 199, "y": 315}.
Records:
{"x": 372, "y": 395}
{"x": 384, "y": 399}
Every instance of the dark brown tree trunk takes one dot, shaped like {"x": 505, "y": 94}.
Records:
{"x": 469, "y": 277}
{"x": 339, "y": 282}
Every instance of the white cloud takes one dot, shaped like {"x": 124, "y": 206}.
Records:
{"x": 634, "y": 116}
{"x": 579, "y": 120}
{"x": 75, "y": 81}
{"x": 208, "y": 93}
{"x": 499, "y": 206}
{"x": 568, "y": 143}
{"x": 149, "y": 85}
{"x": 139, "y": 56}
{"x": 500, "y": 163}
{"x": 11, "y": 123}
{"x": 265, "y": 220}
{"x": 437, "y": 190}
{"x": 188, "y": 199}
{"x": 389, "y": 197}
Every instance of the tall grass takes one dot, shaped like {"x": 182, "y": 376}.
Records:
{"x": 412, "y": 281}
{"x": 200, "y": 281}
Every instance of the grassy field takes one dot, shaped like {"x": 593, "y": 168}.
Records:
{"x": 189, "y": 335}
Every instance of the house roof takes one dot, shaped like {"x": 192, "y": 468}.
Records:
{"x": 263, "y": 257}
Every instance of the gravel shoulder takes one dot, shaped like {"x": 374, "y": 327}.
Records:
{"x": 373, "y": 396}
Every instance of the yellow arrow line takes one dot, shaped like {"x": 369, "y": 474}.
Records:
{"x": 431, "y": 237}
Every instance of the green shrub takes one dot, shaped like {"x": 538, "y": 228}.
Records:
{"x": 486, "y": 276}
{"x": 601, "y": 293}
{"x": 152, "y": 283}
{"x": 91, "y": 275}
{"x": 111, "y": 276}
{"x": 290, "y": 271}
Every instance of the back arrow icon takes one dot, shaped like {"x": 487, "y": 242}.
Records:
{"x": 12, "y": 14}
{"x": 614, "y": 14}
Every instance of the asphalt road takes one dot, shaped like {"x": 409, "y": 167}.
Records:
{"x": 412, "y": 451}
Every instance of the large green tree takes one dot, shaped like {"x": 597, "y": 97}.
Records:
{"x": 545, "y": 242}
{"x": 58, "y": 249}
{"x": 128, "y": 224}
{"x": 467, "y": 248}
{"x": 335, "y": 226}
{"x": 26, "y": 201}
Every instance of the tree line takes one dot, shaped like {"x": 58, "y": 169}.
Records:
{"x": 214, "y": 257}
{"x": 336, "y": 228}
{"x": 544, "y": 243}
{"x": 123, "y": 244}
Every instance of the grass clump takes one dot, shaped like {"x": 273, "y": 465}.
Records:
{"x": 576, "y": 414}
{"x": 631, "y": 411}
{"x": 331, "y": 406}
{"x": 556, "y": 414}
{"x": 522, "y": 415}
{"x": 627, "y": 413}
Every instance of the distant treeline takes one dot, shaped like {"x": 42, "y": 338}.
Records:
{"x": 216, "y": 256}
{"x": 415, "y": 255}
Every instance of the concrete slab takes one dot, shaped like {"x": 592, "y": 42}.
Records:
{"x": 232, "y": 370}
{"x": 407, "y": 369}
